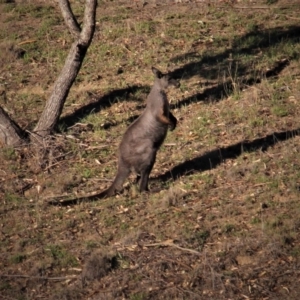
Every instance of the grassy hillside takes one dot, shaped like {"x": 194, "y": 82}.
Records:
{"x": 223, "y": 222}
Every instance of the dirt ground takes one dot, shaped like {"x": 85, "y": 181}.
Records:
{"x": 222, "y": 221}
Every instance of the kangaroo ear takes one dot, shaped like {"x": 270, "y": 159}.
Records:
{"x": 157, "y": 73}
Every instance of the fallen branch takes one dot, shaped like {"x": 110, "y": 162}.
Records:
{"x": 39, "y": 277}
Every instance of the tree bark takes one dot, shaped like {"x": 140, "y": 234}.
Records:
{"x": 55, "y": 103}
{"x": 10, "y": 133}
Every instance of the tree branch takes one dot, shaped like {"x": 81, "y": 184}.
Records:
{"x": 69, "y": 18}
{"x": 88, "y": 22}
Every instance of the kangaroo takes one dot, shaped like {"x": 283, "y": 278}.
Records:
{"x": 143, "y": 138}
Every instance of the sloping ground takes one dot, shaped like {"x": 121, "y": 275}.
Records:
{"x": 225, "y": 222}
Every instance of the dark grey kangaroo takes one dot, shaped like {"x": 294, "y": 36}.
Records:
{"x": 143, "y": 138}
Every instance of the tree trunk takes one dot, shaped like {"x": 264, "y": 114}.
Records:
{"x": 10, "y": 133}
{"x": 55, "y": 103}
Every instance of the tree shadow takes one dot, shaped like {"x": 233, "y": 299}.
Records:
{"x": 215, "y": 66}
{"x": 215, "y": 157}
{"x": 252, "y": 43}
{"x": 208, "y": 66}
{"x": 103, "y": 102}
{"x": 217, "y": 92}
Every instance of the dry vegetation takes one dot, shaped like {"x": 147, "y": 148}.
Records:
{"x": 224, "y": 221}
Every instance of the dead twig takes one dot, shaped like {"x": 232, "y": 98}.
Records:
{"x": 58, "y": 162}
{"x": 293, "y": 18}
{"x": 79, "y": 124}
{"x": 97, "y": 147}
{"x": 26, "y": 42}
{"x": 252, "y": 7}
{"x": 53, "y": 165}
{"x": 170, "y": 243}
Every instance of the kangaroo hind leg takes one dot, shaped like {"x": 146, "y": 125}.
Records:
{"x": 144, "y": 181}
{"x": 144, "y": 177}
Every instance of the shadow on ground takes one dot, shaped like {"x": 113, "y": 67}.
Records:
{"x": 208, "y": 66}
{"x": 103, "y": 102}
{"x": 215, "y": 66}
{"x": 215, "y": 157}
{"x": 211, "y": 94}
{"x": 224, "y": 89}
{"x": 253, "y": 43}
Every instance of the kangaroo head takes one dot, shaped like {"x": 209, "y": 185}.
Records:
{"x": 164, "y": 80}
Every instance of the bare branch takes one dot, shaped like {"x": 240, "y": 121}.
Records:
{"x": 88, "y": 22}
{"x": 69, "y": 18}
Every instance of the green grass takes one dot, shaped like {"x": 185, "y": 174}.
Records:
{"x": 61, "y": 257}
{"x": 17, "y": 258}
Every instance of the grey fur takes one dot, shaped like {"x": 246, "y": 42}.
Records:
{"x": 143, "y": 138}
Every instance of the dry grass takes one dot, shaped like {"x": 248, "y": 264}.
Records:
{"x": 223, "y": 222}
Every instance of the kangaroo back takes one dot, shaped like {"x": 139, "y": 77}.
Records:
{"x": 143, "y": 138}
